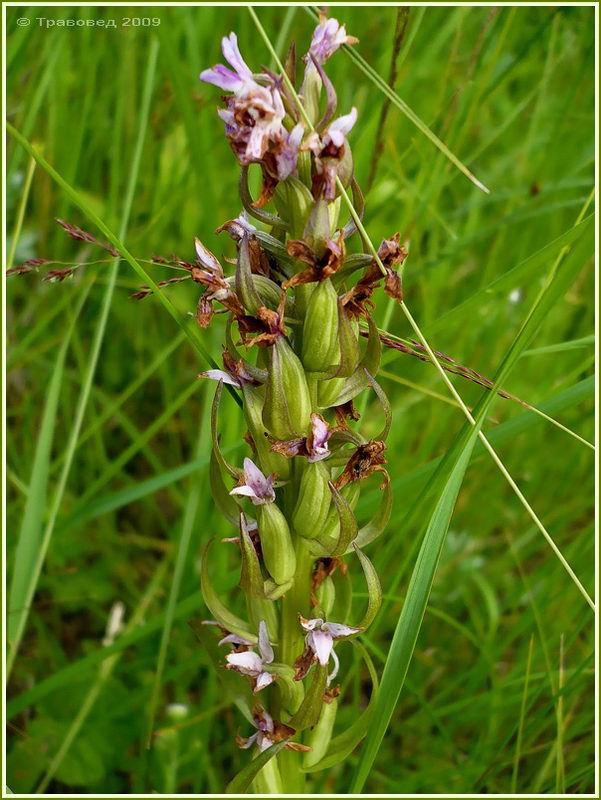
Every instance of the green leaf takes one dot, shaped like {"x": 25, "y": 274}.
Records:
{"x": 245, "y": 777}
{"x": 29, "y": 543}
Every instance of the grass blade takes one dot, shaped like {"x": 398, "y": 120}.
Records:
{"x": 188, "y": 325}
{"x": 82, "y": 402}
{"x": 181, "y": 560}
{"x": 30, "y": 533}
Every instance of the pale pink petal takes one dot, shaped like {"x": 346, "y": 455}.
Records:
{"x": 334, "y": 672}
{"x": 206, "y": 258}
{"x": 310, "y": 624}
{"x": 265, "y": 647}
{"x": 231, "y": 52}
{"x": 321, "y": 643}
{"x": 233, "y": 638}
{"x": 338, "y": 631}
{"x": 262, "y": 487}
{"x": 220, "y": 375}
{"x": 249, "y": 663}
{"x": 341, "y": 126}
{"x": 222, "y": 77}
{"x": 246, "y": 491}
{"x": 263, "y": 680}
{"x": 246, "y": 743}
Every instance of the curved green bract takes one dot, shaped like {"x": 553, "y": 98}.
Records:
{"x": 245, "y": 777}
{"x": 235, "y": 473}
{"x": 377, "y": 525}
{"x": 224, "y": 616}
{"x": 374, "y": 590}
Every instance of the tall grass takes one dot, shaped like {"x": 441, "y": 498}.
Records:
{"x": 483, "y": 709}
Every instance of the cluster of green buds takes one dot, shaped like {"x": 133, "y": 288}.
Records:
{"x": 300, "y": 345}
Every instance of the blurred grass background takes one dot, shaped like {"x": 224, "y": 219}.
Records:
{"x": 511, "y": 92}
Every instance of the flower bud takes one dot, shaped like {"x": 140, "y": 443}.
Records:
{"x": 276, "y": 543}
{"x": 326, "y": 597}
{"x": 314, "y": 500}
{"x": 287, "y": 408}
{"x": 311, "y": 90}
{"x": 320, "y": 348}
{"x": 328, "y": 391}
{"x": 294, "y": 202}
{"x": 268, "y": 460}
{"x": 318, "y": 230}
{"x": 319, "y": 738}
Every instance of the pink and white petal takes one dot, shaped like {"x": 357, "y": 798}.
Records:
{"x": 261, "y": 486}
{"x": 231, "y": 52}
{"x": 220, "y": 375}
{"x": 263, "y": 680}
{"x": 343, "y": 124}
{"x": 233, "y": 638}
{"x": 246, "y": 491}
{"x": 338, "y": 631}
{"x": 222, "y": 77}
{"x": 265, "y": 647}
{"x": 244, "y": 744}
{"x": 248, "y": 662}
{"x": 206, "y": 258}
{"x": 310, "y": 624}
{"x": 334, "y": 672}
{"x": 321, "y": 643}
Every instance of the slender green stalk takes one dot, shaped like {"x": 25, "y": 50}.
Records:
{"x": 518, "y": 744}
{"x": 20, "y": 214}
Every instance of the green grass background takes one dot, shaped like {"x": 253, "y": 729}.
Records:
{"x": 511, "y": 92}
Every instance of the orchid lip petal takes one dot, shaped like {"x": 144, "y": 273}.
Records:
{"x": 321, "y": 643}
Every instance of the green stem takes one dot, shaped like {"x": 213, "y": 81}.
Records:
{"x": 295, "y": 602}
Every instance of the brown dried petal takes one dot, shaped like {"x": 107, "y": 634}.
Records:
{"x": 366, "y": 459}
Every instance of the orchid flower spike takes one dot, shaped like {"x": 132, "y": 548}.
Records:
{"x": 256, "y": 486}
{"x": 328, "y": 37}
{"x": 321, "y": 635}
{"x": 250, "y": 663}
